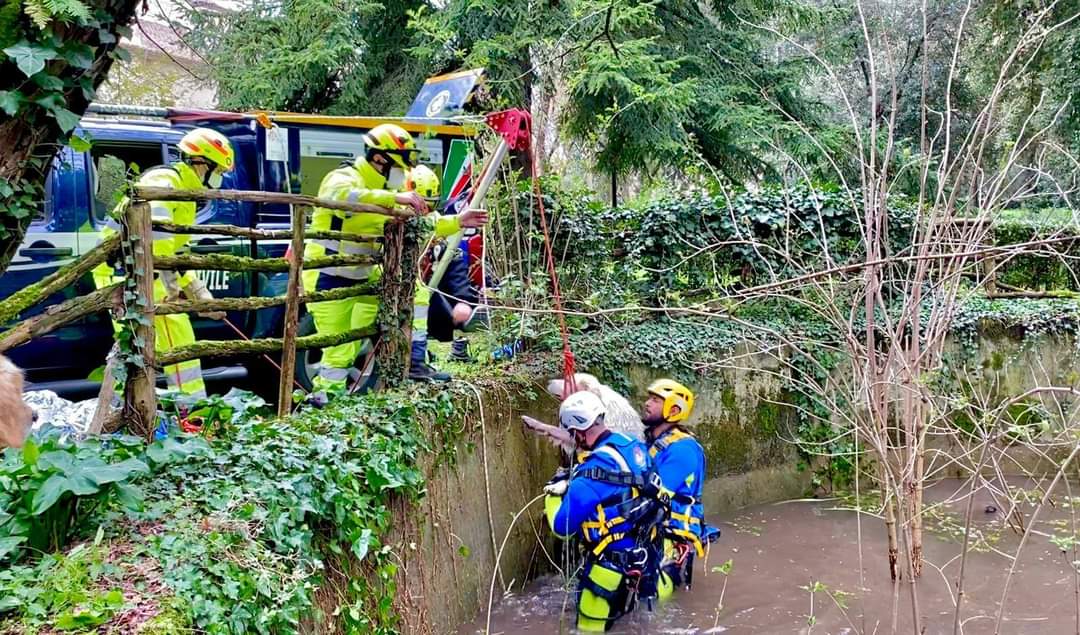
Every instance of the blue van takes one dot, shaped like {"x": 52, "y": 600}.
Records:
{"x": 83, "y": 186}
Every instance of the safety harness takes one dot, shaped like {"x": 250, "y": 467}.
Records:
{"x": 680, "y": 506}
{"x": 627, "y": 513}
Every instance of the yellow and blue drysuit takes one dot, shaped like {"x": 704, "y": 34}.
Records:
{"x": 172, "y": 330}
{"x": 678, "y": 466}
{"x": 604, "y": 508}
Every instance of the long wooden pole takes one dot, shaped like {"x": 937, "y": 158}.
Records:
{"x": 140, "y": 401}
{"x": 58, "y": 315}
{"x": 206, "y": 349}
{"x": 168, "y": 194}
{"x": 261, "y": 234}
{"x": 223, "y": 262}
{"x": 56, "y": 281}
{"x": 256, "y": 303}
{"x": 292, "y": 314}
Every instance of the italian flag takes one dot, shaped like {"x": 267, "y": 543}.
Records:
{"x": 457, "y": 177}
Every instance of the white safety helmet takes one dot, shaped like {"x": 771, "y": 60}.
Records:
{"x": 581, "y": 410}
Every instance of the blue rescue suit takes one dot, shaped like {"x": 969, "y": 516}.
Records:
{"x": 679, "y": 463}
{"x": 604, "y": 508}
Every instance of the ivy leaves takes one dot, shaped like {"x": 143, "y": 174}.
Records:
{"x": 30, "y": 58}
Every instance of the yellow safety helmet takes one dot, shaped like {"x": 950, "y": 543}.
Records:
{"x": 424, "y": 182}
{"x": 210, "y": 145}
{"x": 674, "y": 394}
{"x": 393, "y": 141}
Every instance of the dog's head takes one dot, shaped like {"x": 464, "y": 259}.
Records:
{"x": 583, "y": 381}
{"x": 15, "y": 416}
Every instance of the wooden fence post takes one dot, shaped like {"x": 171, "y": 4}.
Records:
{"x": 401, "y": 249}
{"x": 292, "y": 313}
{"x": 140, "y": 400}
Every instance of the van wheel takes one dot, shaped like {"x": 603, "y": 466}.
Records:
{"x": 307, "y": 360}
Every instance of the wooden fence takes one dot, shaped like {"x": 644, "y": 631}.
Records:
{"x": 135, "y": 297}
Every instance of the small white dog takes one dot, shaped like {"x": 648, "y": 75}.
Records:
{"x": 621, "y": 416}
{"x": 15, "y": 416}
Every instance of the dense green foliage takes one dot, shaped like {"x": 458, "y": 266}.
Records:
{"x": 311, "y": 56}
{"x": 245, "y": 530}
{"x": 53, "y": 56}
{"x": 648, "y": 84}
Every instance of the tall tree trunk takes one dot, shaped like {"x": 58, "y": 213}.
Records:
{"x": 31, "y": 136}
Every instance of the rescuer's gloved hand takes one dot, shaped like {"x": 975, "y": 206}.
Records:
{"x": 170, "y": 281}
{"x": 557, "y": 485}
{"x": 197, "y": 291}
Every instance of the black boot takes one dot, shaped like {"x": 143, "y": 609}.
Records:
{"x": 420, "y": 370}
{"x": 459, "y": 351}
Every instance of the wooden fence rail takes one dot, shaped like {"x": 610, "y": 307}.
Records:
{"x": 136, "y": 238}
{"x": 259, "y": 234}
{"x": 224, "y": 262}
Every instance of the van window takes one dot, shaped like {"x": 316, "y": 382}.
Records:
{"x": 113, "y": 165}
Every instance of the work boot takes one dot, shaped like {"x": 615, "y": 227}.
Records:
{"x": 459, "y": 351}
{"x": 420, "y": 369}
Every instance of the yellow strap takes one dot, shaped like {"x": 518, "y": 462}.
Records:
{"x": 686, "y": 518}
{"x": 603, "y": 544}
{"x": 692, "y": 539}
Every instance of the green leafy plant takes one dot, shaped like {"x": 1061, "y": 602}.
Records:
{"x": 66, "y": 591}
{"x": 50, "y": 484}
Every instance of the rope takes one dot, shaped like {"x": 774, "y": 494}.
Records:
{"x": 569, "y": 385}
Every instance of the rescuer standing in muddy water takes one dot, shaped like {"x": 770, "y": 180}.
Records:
{"x": 600, "y": 503}
{"x": 678, "y": 474}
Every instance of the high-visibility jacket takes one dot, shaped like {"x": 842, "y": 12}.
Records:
{"x": 171, "y": 330}
{"x": 356, "y": 183}
{"x": 178, "y": 176}
{"x": 679, "y": 460}
{"x": 603, "y": 502}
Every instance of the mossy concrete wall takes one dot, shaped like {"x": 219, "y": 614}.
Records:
{"x": 743, "y": 420}
{"x": 446, "y": 541}
{"x": 741, "y": 417}
{"x": 1002, "y": 364}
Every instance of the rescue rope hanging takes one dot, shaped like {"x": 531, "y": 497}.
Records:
{"x": 569, "y": 384}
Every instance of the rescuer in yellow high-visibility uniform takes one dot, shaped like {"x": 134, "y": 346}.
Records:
{"x": 387, "y": 148}
{"x": 205, "y": 156}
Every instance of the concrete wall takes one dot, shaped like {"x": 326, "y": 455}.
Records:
{"x": 447, "y": 572}
{"x": 447, "y": 541}
{"x": 740, "y": 418}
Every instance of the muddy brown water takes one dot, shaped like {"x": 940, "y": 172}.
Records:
{"x": 779, "y": 551}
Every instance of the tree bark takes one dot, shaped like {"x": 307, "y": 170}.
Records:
{"x": 140, "y": 400}
{"x": 30, "y": 138}
{"x": 400, "y": 252}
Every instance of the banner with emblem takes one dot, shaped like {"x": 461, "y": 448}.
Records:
{"x": 457, "y": 177}
{"x": 444, "y": 96}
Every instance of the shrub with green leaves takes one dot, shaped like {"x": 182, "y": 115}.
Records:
{"x": 49, "y": 487}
